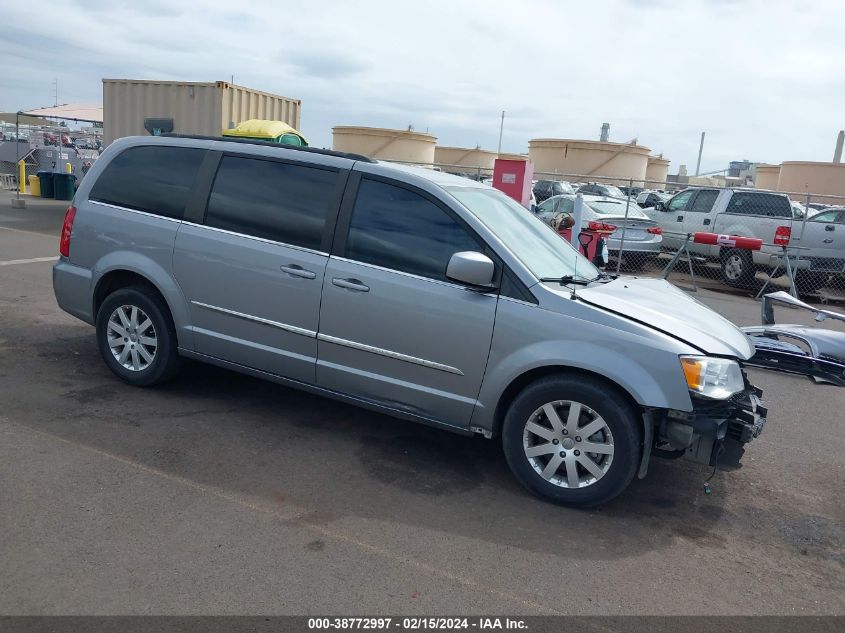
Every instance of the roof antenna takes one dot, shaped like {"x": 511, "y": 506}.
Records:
{"x": 575, "y": 276}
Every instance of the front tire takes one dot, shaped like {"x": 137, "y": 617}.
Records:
{"x": 572, "y": 440}
{"x": 136, "y": 336}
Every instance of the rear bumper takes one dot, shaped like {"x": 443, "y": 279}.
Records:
{"x": 716, "y": 432}
{"x": 72, "y": 287}
{"x": 652, "y": 246}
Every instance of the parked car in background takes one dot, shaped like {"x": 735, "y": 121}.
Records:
{"x": 818, "y": 206}
{"x": 633, "y": 191}
{"x": 601, "y": 189}
{"x": 404, "y": 290}
{"x": 545, "y": 189}
{"x": 651, "y": 198}
{"x": 823, "y": 235}
{"x": 741, "y": 212}
{"x": 643, "y": 236}
{"x": 798, "y": 210}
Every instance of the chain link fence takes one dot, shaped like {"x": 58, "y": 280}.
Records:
{"x": 692, "y": 233}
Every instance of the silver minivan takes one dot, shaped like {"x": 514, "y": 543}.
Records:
{"x": 405, "y": 290}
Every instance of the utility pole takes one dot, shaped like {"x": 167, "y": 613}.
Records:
{"x": 55, "y": 92}
{"x": 700, "y": 150}
{"x": 501, "y": 128}
{"x": 837, "y": 152}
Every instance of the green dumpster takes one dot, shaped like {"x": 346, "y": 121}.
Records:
{"x": 45, "y": 178}
{"x": 65, "y": 186}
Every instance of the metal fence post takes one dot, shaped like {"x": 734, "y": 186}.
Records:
{"x": 577, "y": 217}
{"x": 624, "y": 227}
{"x": 806, "y": 213}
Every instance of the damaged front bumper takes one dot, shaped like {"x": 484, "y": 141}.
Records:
{"x": 795, "y": 349}
{"x": 715, "y": 432}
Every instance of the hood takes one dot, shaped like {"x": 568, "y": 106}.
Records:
{"x": 665, "y": 307}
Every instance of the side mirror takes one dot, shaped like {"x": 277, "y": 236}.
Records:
{"x": 659, "y": 206}
{"x": 471, "y": 268}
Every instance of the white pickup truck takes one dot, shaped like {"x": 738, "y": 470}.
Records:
{"x": 741, "y": 212}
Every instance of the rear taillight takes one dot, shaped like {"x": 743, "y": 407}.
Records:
{"x": 602, "y": 227}
{"x": 782, "y": 235}
{"x": 654, "y": 230}
{"x": 67, "y": 227}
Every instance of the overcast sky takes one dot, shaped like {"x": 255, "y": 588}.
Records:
{"x": 764, "y": 79}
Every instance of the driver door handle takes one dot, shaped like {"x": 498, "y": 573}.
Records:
{"x": 706, "y": 221}
{"x": 680, "y": 218}
{"x": 350, "y": 284}
{"x": 298, "y": 271}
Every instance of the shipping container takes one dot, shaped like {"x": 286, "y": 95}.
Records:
{"x": 195, "y": 107}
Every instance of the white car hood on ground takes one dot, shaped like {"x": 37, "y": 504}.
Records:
{"x": 665, "y": 307}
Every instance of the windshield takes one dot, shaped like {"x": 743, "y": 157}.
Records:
{"x": 534, "y": 243}
{"x": 613, "y": 190}
{"x": 617, "y": 208}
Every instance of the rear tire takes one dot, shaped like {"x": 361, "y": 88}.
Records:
{"x": 136, "y": 336}
{"x": 737, "y": 268}
{"x": 548, "y": 444}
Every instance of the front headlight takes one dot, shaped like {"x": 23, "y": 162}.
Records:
{"x": 717, "y": 378}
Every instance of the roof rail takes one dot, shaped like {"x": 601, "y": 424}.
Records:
{"x": 249, "y": 141}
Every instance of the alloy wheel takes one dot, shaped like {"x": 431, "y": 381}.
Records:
{"x": 568, "y": 444}
{"x": 733, "y": 267}
{"x": 132, "y": 337}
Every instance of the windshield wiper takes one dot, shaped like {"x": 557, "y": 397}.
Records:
{"x": 569, "y": 279}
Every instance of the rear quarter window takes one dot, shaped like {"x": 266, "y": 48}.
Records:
{"x": 155, "y": 179}
{"x": 765, "y": 204}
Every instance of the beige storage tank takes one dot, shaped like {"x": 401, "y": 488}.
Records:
{"x": 386, "y": 144}
{"x": 766, "y": 176}
{"x": 506, "y": 156}
{"x": 472, "y": 158}
{"x": 195, "y": 107}
{"x": 815, "y": 178}
{"x": 620, "y": 161}
{"x": 657, "y": 168}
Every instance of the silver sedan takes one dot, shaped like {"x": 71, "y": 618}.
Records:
{"x": 643, "y": 235}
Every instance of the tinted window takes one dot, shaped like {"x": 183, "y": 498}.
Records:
{"x": 704, "y": 200}
{"x": 760, "y": 204}
{"x": 156, "y": 179}
{"x": 276, "y": 201}
{"x": 399, "y": 229}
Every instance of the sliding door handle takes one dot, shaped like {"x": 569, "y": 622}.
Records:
{"x": 298, "y": 271}
{"x": 350, "y": 284}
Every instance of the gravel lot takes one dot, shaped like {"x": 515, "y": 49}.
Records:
{"x": 224, "y": 494}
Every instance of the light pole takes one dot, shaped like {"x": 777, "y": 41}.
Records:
{"x": 501, "y": 128}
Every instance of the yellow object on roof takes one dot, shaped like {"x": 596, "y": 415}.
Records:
{"x": 263, "y": 129}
